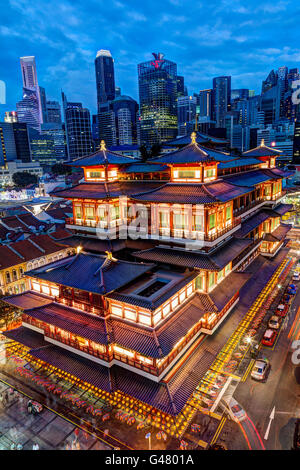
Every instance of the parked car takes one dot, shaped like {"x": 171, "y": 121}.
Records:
{"x": 282, "y": 310}
{"x": 274, "y": 322}
{"x": 296, "y": 276}
{"x": 34, "y": 407}
{"x": 233, "y": 409}
{"x": 260, "y": 369}
{"x": 269, "y": 337}
{"x": 292, "y": 289}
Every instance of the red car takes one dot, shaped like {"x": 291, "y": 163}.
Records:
{"x": 282, "y": 310}
{"x": 269, "y": 337}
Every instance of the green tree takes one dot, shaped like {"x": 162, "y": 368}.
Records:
{"x": 21, "y": 179}
{"x": 61, "y": 169}
{"x": 144, "y": 153}
{"x": 156, "y": 150}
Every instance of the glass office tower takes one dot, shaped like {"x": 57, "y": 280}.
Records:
{"x": 158, "y": 95}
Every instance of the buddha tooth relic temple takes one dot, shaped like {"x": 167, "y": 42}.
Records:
{"x": 162, "y": 250}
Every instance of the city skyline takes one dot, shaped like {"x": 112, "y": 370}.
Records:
{"x": 228, "y": 44}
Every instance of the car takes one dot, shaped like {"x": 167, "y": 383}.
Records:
{"x": 233, "y": 409}
{"x": 296, "y": 276}
{"x": 282, "y": 310}
{"x": 274, "y": 322}
{"x": 292, "y": 289}
{"x": 260, "y": 369}
{"x": 269, "y": 337}
{"x": 34, "y": 407}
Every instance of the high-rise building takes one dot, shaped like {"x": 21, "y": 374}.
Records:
{"x": 53, "y": 112}
{"x": 204, "y": 101}
{"x": 105, "y": 77}
{"x": 78, "y": 129}
{"x": 181, "y": 89}
{"x": 125, "y": 111}
{"x": 221, "y": 99}
{"x": 239, "y": 94}
{"x": 56, "y": 132}
{"x": 158, "y": 95}
{"x": 186, "y": 113}
{"x": 107, "y": 124}
{"x": 42, "y": 148}
{"x": 95, "y": 131}
{"x": 14, "y": 142}
{"x": 31, "y": 109}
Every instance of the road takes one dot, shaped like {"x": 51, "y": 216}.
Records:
{"x": 280, "y": 390}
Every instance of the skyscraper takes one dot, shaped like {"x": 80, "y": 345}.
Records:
{"x": 221, "y": 99}
{"x": 31, "y": 109}
{"x": 158, "y": 95}
{"x": 125, "y": 110}
{"x": 105, "y": 77}
{"x": 53, "y": 112}
{"x": 186, "y": 113}
{"x": 204, "y": 101}
{"x": 14, "y": 142}
{"x": 78, "y": 129}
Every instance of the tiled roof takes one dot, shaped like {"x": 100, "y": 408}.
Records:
{"x": 23, "y": 221}
{"x": 239, "y": 162}
{"x": 93, "y": 244}
{"x": 249, "y": 224}
{"x": 77, "y": 322}
{"x": 191, "y": 153}
{"x": 102, "y": 157}
{"x": 134, "y": 299}
{"x": 201, "y": 138}
{"x": 106, "y": 190}
{"x": 225, "y": 191}
{"x": 178, "y": 193}
{"x": 27, "y": 300}
{"x": 283, "y": 208}
{"x": 281, "y": 231}
{"x": 250, "y": 178}
{"x": 213, "y": 262}
{"x": 25, "y": 336}
{"x": 262, "y": 151}
{"x": 224, "y": 291}
{"x": 60, "y": 234}
{"x": 92, "y": 273}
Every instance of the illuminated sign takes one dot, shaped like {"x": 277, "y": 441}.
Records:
{"x": 157, "y": 63}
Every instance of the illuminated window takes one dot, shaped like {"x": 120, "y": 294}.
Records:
{"x": 116, "y": 310}
{"x": 199, "y": 282}
{"x": 89, "y": 212}
{"x": 174, "y": 303}
{"x": 211, "y": 279}
{"x": 164, "y": 219}
{"x": 178, "y": 221}
{"x": 182, "y": 296}
{"x": 166, "y": 310}
{"x": 144, "y": 319}
{"x": 130, "y": 314}
{"x": 78, "y": 211}
{"x": 212, "y": 221}
{"x": 228, "y": 213}
{"x": 209, "y": 173}
{"x": 186, "y": 174}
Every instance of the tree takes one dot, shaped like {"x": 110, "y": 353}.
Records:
{"x": 155, "y": 150}
{"x": 144, "y": 153}
{"x": 22, "y": 179}
{"x": 8, "y": 315}
{"x": 61, "y": 169}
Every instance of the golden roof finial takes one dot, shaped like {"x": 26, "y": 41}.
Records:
{"x": 193, "y": 137}
{"x": 262, "y": 142}
{"x": 102, "y": 145}
{"x": 109, "y": 254}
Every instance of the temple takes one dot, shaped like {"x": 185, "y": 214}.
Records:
{"x": 162, "y": 249}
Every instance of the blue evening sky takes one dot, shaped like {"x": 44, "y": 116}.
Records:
{"x": 245, "y": 39}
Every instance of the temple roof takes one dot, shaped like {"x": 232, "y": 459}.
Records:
{"x": 193, "y": 193}
{"x": 191, "y": 153}
{"x": 239, "y": 162}
{"x": 251, "y": 178}
{"x": 89, "y": 272}
{"x": 106, "y": 190}
{"x": 201, "y": 138}
{"x": 191, "y": 259}
{"x": 262, "y": 151}
{"x": 159, "y": 299}
{"x": 252, "y": 222}
{"x": 278, "y": 234}
{"x": 102, "y": 157}
{"x": 283, "y": 208}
